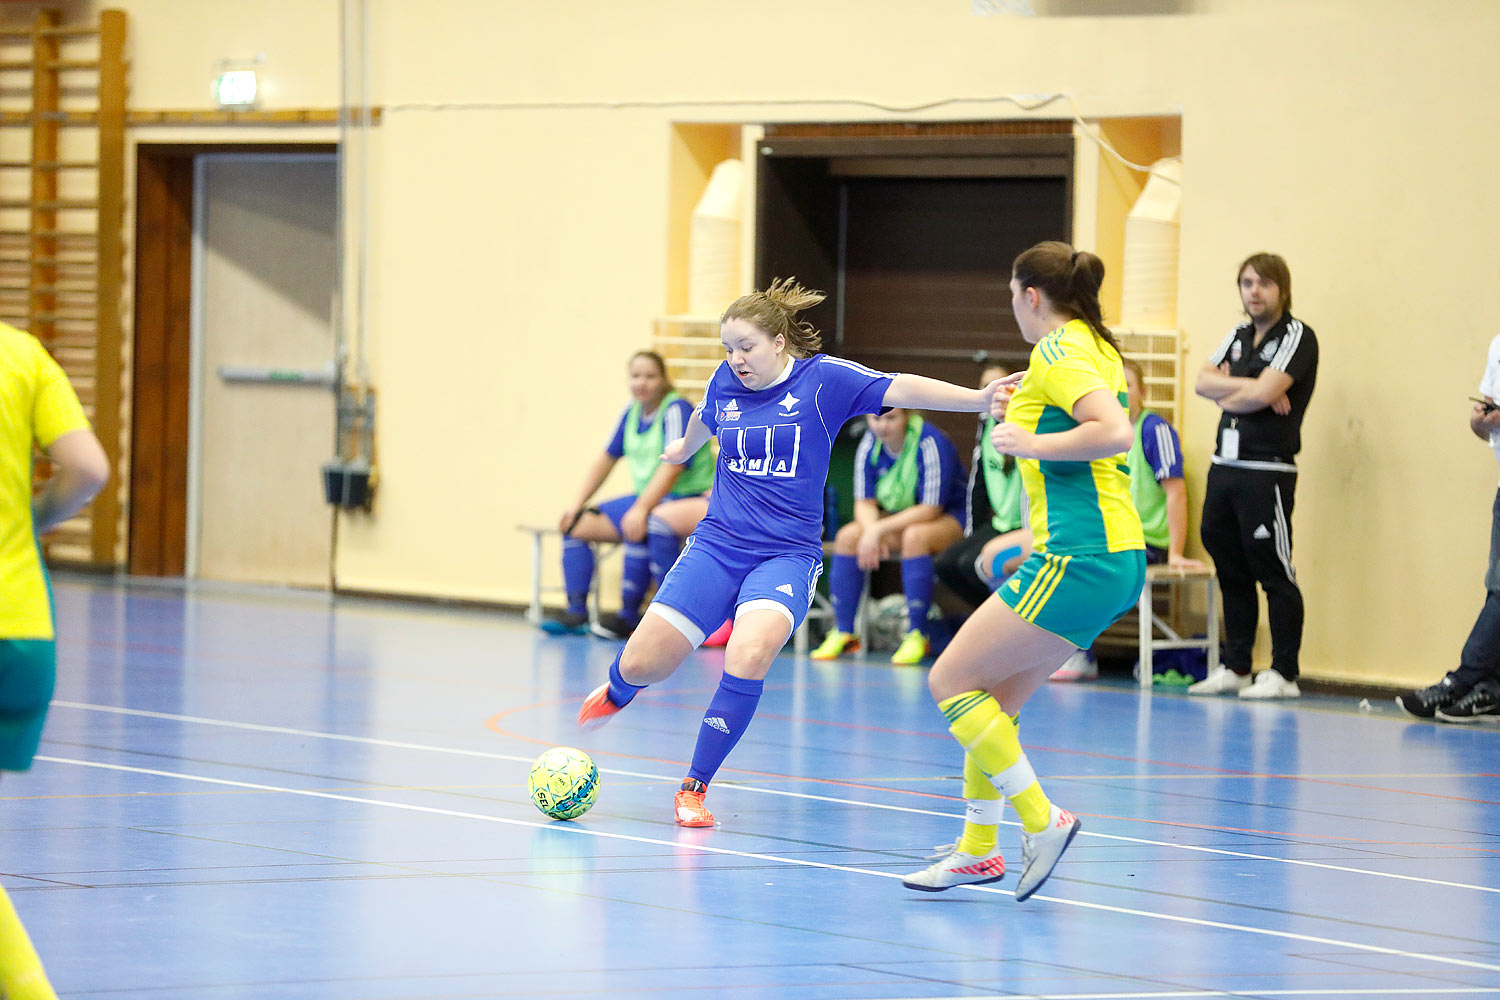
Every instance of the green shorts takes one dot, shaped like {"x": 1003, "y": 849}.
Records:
{"x": 28, "y": 672}
{"x": 1076, "y": 597}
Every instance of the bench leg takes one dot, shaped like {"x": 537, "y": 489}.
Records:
{"x": 1146, "y": 615}
{"x": 534, "y": 611}
{"x": 1213, "y": 625}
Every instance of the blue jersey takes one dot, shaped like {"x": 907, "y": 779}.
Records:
{"x": 939, "y": 475}
{"x": 1160, "y": 446}
{"x": 773, "y": 451}
{"x": 673, "y": 422}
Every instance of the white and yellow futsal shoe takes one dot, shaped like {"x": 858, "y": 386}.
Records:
{"x": 1041, "y": 850}
{"x": 958, "y": 868}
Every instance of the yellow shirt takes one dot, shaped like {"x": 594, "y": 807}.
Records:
{"x": 1076, "y": 507}
{"x": 37, "y": 406}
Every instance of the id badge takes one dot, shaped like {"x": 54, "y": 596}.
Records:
{"x": 1229, "y": 444}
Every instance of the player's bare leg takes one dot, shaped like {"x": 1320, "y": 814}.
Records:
{"x": 654, "y": 652}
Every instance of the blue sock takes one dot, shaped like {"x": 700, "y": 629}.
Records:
{"x": 578, "y": 573}
{"x": 726, "y": 720}
{"x": 663, "y": 545}
{"x": 621, "y": 691}
{"x": 845, "y": 581}
{"x": 633, "y": 579}
{"x": 916, "y": 582}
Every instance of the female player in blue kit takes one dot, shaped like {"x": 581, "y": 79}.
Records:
{"x": 776, "y": 406}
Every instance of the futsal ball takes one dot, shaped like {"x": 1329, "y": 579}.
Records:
{"x": 564, "y": 783}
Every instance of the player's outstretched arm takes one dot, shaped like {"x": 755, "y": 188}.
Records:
{"x": 80, "y": 471}
{"x": 918, "y": 392}
{"x": 694, "y": 437}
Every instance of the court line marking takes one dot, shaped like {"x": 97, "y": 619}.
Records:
{"x": 807, "y": 796}
{"x": 774, "y": 858}
{"x": 1248, "y": 992}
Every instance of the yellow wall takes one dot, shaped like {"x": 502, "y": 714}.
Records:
{"x": 519, "y": 245}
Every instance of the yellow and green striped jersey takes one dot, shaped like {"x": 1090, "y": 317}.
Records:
{"x": 1076, "y": 507}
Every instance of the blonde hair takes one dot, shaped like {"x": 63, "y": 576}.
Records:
{"x": 775, "y": 310}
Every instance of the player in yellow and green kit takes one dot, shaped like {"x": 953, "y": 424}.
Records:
{"x": 1066, "y": 424}
{"x": 38, "y": 409}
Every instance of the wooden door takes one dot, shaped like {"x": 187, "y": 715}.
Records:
{"x": 265, "y": 277}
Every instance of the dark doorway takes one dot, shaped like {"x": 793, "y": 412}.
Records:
{"x": 912, "y": 236}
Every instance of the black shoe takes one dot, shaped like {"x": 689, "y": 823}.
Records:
{"x": 613, "y": 626}
{"x": 565, "y": 623}
{"x": 1482, "y": 704}
{"x": 1424, "y": 704}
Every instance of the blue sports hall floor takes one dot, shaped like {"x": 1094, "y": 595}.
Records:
{"x": 266, "y": 794}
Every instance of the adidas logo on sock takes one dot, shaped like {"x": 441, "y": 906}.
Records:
{"x": 714, "y": 722}
{"x": 786, "y": 588}
{"x": 1260, "y": 532}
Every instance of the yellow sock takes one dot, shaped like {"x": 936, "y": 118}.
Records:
{"x": 21, "y": 974}
{"x": 982, "y": 816}
{"x": 989, "y": 736}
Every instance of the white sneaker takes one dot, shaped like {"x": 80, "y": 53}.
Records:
{"x": 958, "y": 868}
{"x": 1270, "y": 684}
{"x": 1081, "y": 666}
{"x": 1040, "y": 851}
{"x": 1220, "y": 680}
{"x": 941, "y": 851}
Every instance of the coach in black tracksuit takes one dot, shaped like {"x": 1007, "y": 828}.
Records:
{"x": 1262, "y": 377}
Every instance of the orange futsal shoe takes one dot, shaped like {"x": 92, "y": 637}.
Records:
{"x": 688, "y": 804}
{"x": 596, "y": 709}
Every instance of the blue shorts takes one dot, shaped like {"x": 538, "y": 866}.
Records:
{"x": 615, "y": 509}
{"x": 709, "y": 581}
{"x": 1076, "y": 597}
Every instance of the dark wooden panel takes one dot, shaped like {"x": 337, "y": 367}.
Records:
{"x": 148, "y": 410}
{"x": 158, "y": 481}
{"x": 179, "y": 298}
{"x": 927, "y": 271}
{"x": 798, "y": 231}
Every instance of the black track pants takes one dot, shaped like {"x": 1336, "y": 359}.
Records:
{"x": 1247, "y": 529}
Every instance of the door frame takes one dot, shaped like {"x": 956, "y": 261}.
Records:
{"x": 160, "y": 540}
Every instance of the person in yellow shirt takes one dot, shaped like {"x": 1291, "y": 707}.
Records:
{"x": 1066, "y": 424}
{"x": 38, "y": 409}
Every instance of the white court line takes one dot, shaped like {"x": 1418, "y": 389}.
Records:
{"x": 800, "y": 862}
{"x": 806, "y": 796}
{"x": 1173, "y": 994}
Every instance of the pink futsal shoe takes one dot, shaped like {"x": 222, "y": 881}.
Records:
{"x": 596, "y": 709}
{"x": 720, "y": 637}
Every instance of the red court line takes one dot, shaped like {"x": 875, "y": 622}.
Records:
{"x": 493, "y": 724}
{"x": 1128, "y": 760}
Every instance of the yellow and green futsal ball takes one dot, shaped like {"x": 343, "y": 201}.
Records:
{"x": 564, "y": 783}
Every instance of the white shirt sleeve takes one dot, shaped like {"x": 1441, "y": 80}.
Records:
{"x": 1489, "y": 385}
